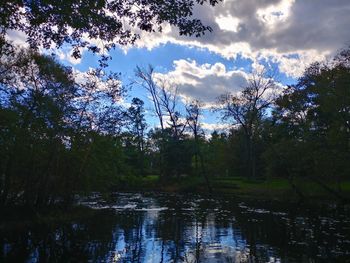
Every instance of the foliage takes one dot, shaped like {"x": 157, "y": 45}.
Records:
{"x": 84, "y": 23}
{"x": 63, "y": 133}
{"x": 312, "y": 117}
{"x": 247, "y": 110}
{"x": 57, "y": 136}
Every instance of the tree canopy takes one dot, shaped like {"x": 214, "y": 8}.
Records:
{"x": 62, "y": 133}
{"x": 81, "y": 23}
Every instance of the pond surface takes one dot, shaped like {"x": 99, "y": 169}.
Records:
{"x": 185, "y": 228}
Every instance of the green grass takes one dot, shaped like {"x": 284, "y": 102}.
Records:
{"x": 269, "y": 188}
{"x": 274, "y": 188}
{"x": 151, "y": 178}
{"x": 345, "y": 186}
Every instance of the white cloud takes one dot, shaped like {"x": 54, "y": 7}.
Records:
{"x": 64, "y": 54}
{"x": 275, "y": 14}
{"x": 17, "y": 37}
{"x": 204, "y": 82}
{"x": 291, "y": 33}
{"x": 210, "y": 127}
{"x": 228, "y": 23}
{"x": 288, "y": 32}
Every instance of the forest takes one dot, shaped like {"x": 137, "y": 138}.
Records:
{"x": 174, "y": 131}
{"x": 61, "y": 135}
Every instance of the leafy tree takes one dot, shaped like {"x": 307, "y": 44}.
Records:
{"x": 53, "y": 129}
{"x": 317, "y": 109}
{"x": 194, "y": 112}
{"x": 138, "y": 125}
{"x": 81, "y": 23}
{"x": 36, "y": 102}
{"x": 247, "y": 109}
{"x": 312, "y": 120}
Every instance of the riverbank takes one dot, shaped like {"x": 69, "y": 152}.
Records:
{"x": 270, "y": 189}
{"x": 19, "y": 217}
{"x": 266, "y": 189}
{"x": 149, "y": 227}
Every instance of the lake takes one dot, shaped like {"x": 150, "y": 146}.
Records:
{"x": 154, "y": 227}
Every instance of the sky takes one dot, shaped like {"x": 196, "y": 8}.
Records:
{"x": 287, "y": 35}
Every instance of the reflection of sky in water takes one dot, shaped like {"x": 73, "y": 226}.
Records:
{"x": 202, "y": 239}
{"x": 170, "y": 228}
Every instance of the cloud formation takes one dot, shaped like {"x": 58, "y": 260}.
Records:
{"x": 204, "y": 82}
{"x": 288, "y": 32}
{"x": 220, "y": 127}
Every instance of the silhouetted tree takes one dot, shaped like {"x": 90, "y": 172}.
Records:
{"x": 172, "y": 126}
{"x": 194, "y": 112}
{"x": 247, "y": 109}
{"x": 80, "y": 24}
{"x": 57, "y": 135}
{"x": 138, "y": 127}
{"x": 312, "y": 119}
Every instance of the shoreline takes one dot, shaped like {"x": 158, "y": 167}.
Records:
{"x": 274, "y": 189}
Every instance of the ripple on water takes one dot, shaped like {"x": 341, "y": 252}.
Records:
{"x": 151, "y": 228}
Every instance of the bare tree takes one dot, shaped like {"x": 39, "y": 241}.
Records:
{"x": 147, "y": 81}
{"x": 248, "y": 108}
{"x": 193, "y": 113}
{"x": 164, "y": 97}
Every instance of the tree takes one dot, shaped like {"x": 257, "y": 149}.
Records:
{"x": 194, "y": 111}
{"x": 172, "y": 126}
{"x": 164, "y": 99}
{"x": 54, "y": 129}
{"x": 36, "y": 105}
{"x": 82, "y": 23}
{"x": 217, "y": 154}
{"x": 312, "y": 118}
{"x": 247, "y": 109}
{"x": 138, "y": 125}
{"x": 146, "y": 80}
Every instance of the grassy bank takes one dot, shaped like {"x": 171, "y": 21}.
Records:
{"x": 277, "y": 188}
{"x": 270, "y": 188}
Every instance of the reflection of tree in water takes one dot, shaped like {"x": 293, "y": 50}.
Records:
{"x": 198, "y": 235}
{"x": 182, "y": 231}
{"x": 193, "y": 253}
{"x": 160, "y": 236}
{"x": 296, "y": 235}
{"x": 70, "y": 242}
{"x": 131, "y": 236}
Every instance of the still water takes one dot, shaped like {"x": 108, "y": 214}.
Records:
{"x": 185, "y": 228}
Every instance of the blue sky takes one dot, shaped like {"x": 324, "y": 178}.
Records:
{"x": 162, "y": 58}
{"x": 246, "y": 34}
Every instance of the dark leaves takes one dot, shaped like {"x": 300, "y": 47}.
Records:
{"x": 48, "y": 22}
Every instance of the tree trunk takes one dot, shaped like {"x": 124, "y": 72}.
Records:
{"x": 251, "y": 169}
{"x": 204, "y": 173}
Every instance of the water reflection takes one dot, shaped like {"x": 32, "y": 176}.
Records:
{"x": 171, "y": 228}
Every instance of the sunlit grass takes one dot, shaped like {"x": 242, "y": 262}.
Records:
{"x": 268, "y": 188}
{"x": 272, "y": 187}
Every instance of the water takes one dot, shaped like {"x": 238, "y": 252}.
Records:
{"x": 178, "y": 228}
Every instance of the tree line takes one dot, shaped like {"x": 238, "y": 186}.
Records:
{"x": 60, "y": 134}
